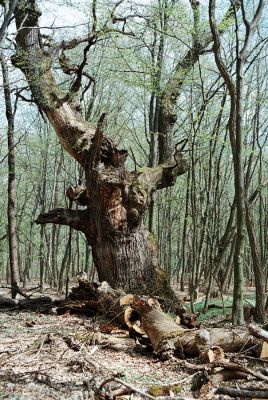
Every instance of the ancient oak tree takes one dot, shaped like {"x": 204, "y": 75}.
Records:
{"x": 114, "y": 199}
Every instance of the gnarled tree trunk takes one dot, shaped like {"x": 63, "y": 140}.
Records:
{"x": 124, "y": 252}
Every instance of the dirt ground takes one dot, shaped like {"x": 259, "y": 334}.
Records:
{"x": 46, "y": 356}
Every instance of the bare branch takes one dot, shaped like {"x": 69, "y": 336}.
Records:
{"x": 223, "y": 69}
{"x": 250, "y": 27}
{"x": 7, "y": 18}
{"x": 163, "y": 175}
{"x": 94, "y": 14}
{"x": 173, "y": 87}
{"x": 77, "y": 219}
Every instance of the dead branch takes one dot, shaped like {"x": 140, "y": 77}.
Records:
{"x": 243, "y": 393}
{"x": 62, "y": 216}
{"x": 258, "y": 332}
{"x": 128, "y": 385}
{"x": 228, "y": 366}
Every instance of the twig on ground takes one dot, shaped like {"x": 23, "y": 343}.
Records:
{"x": 243, "y": 393}
{"x": 183, "y": 380}
{"x": 261, "y": 360}
{"x": 127, "y": 385}
{"x": 40, "y": 347}
{"x": 227, "y": 365}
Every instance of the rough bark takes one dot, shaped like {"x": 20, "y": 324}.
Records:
{"x": 168, "y": 338}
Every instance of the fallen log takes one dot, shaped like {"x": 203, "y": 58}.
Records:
{"x": 169, "y": 339}
{"x": 145, "y": 316}
{"x": 91, "y": 298}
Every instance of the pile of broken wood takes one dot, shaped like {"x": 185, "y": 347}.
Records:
{"x": 180, "y": 338}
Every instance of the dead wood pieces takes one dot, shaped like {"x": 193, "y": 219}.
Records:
{"x": 88, "y": 308}
{"x": 248, "y": 393}
{"x": 258, "y": 332}
{"x": 71, "y": 344}
{"x": 264, "y": 351}
{"x": 188, "y": 319}
{"x": 213, "y": 354}
{"x": 143, "y": 315}
{"x": 230, "y": 340}
{"x": 132, "y": 320}
{"x": 226, "y": 375}
{"x": 131, "y": 317}
{"x": 42, "y": 304}
{"x": 7, "y": 303}
{"x": 126, "y": 300}
{"x": 162, "y": 330}
{"x": 90, "y": 298}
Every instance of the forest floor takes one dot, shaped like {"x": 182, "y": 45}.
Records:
{"x": 47, "y": 356}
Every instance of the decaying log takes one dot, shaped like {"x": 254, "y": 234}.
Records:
{"x": 7, "y": 303}
{"x": 229, "y": 339}
{"x": 35, "y": 303}
{"x": 187, "y": 318}
{"x": 163, "y": 332}
{"x": 145, "y": 316}
{"x": 91, "y": 299}
{"x": 226, "y": 375}
{"x": 169, "y": 338}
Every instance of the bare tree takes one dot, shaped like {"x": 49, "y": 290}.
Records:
{"x": 11, "y": 211}
{"x": 236, "y": 132}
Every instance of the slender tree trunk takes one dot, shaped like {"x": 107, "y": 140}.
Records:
{"x": 236, "y": 131}
{"x": 238, "y": 160}
{"x": 42, "y": 257}
{"x": 11, "y": 211}
{"x": 257, "y": 269}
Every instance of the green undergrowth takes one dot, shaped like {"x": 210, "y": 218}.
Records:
{"x": 225, "y": 303}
